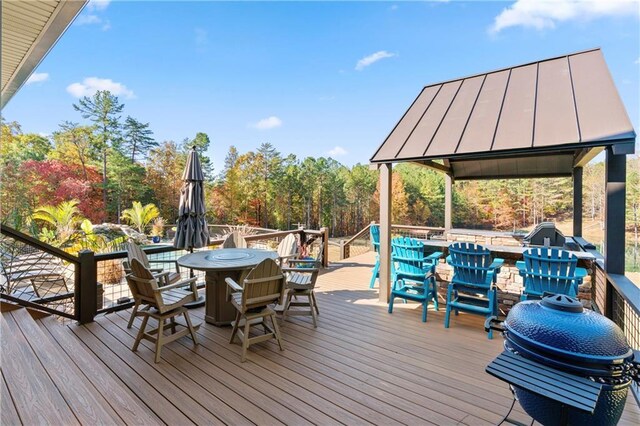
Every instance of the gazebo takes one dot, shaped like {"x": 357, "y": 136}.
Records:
{"x": 547, "y": 118}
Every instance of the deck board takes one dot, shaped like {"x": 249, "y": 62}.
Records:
{"x": 360, "y": 366}
{"x": 8, "y": 413}
{"x": 88, "y": 405}
{"x": 31, "y": 388}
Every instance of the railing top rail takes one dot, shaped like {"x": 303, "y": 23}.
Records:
{"x": 358, "y": 235}
{"x": 420, "y": 228}
{"x": 627, "y": 289}
{"x": 276, "y": 234}
{"x": 168, "y": 248}
{"x": 47, "y": 248}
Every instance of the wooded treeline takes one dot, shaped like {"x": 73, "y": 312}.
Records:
{"x": 107, "y": 162}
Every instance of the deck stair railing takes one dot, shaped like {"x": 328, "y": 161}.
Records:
{"x": 360, "y": 243}
{"x": 40, "y": 276}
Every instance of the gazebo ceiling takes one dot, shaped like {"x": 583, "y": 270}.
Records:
{"x": 532, "y": 120}
{"x": 30, "y": 28}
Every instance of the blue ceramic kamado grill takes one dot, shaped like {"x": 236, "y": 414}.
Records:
{"x": 572, "y": 348}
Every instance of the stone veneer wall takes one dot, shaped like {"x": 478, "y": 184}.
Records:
{"x": 509, "y": 280}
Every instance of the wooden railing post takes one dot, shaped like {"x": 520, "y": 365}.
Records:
{"x": 325, "y": 246}
{"x": 344, "y": 250}
{"x": 86, "y": 287}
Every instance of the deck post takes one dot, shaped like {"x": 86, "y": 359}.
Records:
{"x": 325, "y": 247}
{"x": 86, "y": 287}
{"x": 577, "y": 201}
{"x": 385, "y": 230}
{"x": 448, "y": 200}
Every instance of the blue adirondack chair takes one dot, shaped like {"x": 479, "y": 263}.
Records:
{"x": 549, "y": 270}
{"x": 473, "y": 286}
{"x": 374, "y": 231}
{"x": 413, "y": 274}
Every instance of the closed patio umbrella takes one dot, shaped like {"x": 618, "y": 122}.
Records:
{"x": 191, "y": 230}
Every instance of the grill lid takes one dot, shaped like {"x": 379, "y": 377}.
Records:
{"x": 559, "y": 327}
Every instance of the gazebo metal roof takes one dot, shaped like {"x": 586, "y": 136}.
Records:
{"x": 532, "y": 120}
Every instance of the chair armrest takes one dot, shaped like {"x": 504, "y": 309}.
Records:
{"x": 174, "y": 261}
{"x": 434, "y": 256}
{"x": 495, "y": 268}
{"x": 303, "y": 270}
{"x": 303, "y": 261}
{"x": 522, "y": 267}
{"x": 448, "y": 259}
{"x": 179, "y": 284}
{"x": 496, "y": 265}
{"x": 231, "y": 284}
{"x": 580, "y": 274}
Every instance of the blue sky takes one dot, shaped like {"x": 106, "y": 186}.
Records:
{"x": 312, "y": 78}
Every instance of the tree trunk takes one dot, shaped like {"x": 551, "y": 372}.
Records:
{"x": 104, "y": 180}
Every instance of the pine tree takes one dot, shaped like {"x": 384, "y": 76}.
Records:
{"x": 137, "y": 138}
{"x": 103, "y": 109}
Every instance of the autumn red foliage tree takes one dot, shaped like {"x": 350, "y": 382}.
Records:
{"x": 54, "y": 181}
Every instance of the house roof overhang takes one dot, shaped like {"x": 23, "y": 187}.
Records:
{"x": 540, "y": 119}
{"x": 29, "y": 31}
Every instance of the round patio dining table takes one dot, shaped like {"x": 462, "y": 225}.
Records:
{"x": 234, "y": 263}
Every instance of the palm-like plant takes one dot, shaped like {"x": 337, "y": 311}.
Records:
{"x": 140, "y": 216}
{"x": 64, "y": 218}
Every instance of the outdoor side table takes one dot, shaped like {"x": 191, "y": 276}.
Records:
{"x": 218, "y": 265}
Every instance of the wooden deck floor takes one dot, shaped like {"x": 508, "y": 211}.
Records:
{"x": 360, "y": 366}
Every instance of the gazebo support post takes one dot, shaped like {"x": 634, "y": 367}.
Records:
{"x": 448, "y": 200}
{"x": 577, "y": 201}
{"x": 385, "y": 230}
{"x": 614, "y": 212}
{"x": 615, "y": 187}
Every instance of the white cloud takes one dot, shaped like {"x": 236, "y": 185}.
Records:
{"x": 37, "y": 77}
{"x": 393, "y": 7}
{"x": 268, "y": 123}
{"x": 542, "y": 14}
{"x": 91, "y": 85}
{"x": 637, "y": 61}
{"x": 92, "y": 15}
{"x": 98, "y": 4}
{"x": 88, "y": 20}
{"x": 337, "y": 151}
{"x": 373, "y": 58}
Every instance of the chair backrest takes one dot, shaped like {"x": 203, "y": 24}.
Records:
{"x": 234, "y": 240}
{"x": 134, "y": 251}
{"x": 407, "y": 256}
{"x": 470, "y": 264}
{"x": 263, "y": 286}
{"x": 288, "y": 246}
{"x": 374, "y": 231}
{"x": 549, "y": 270}
{"x": 142, "y": 283}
